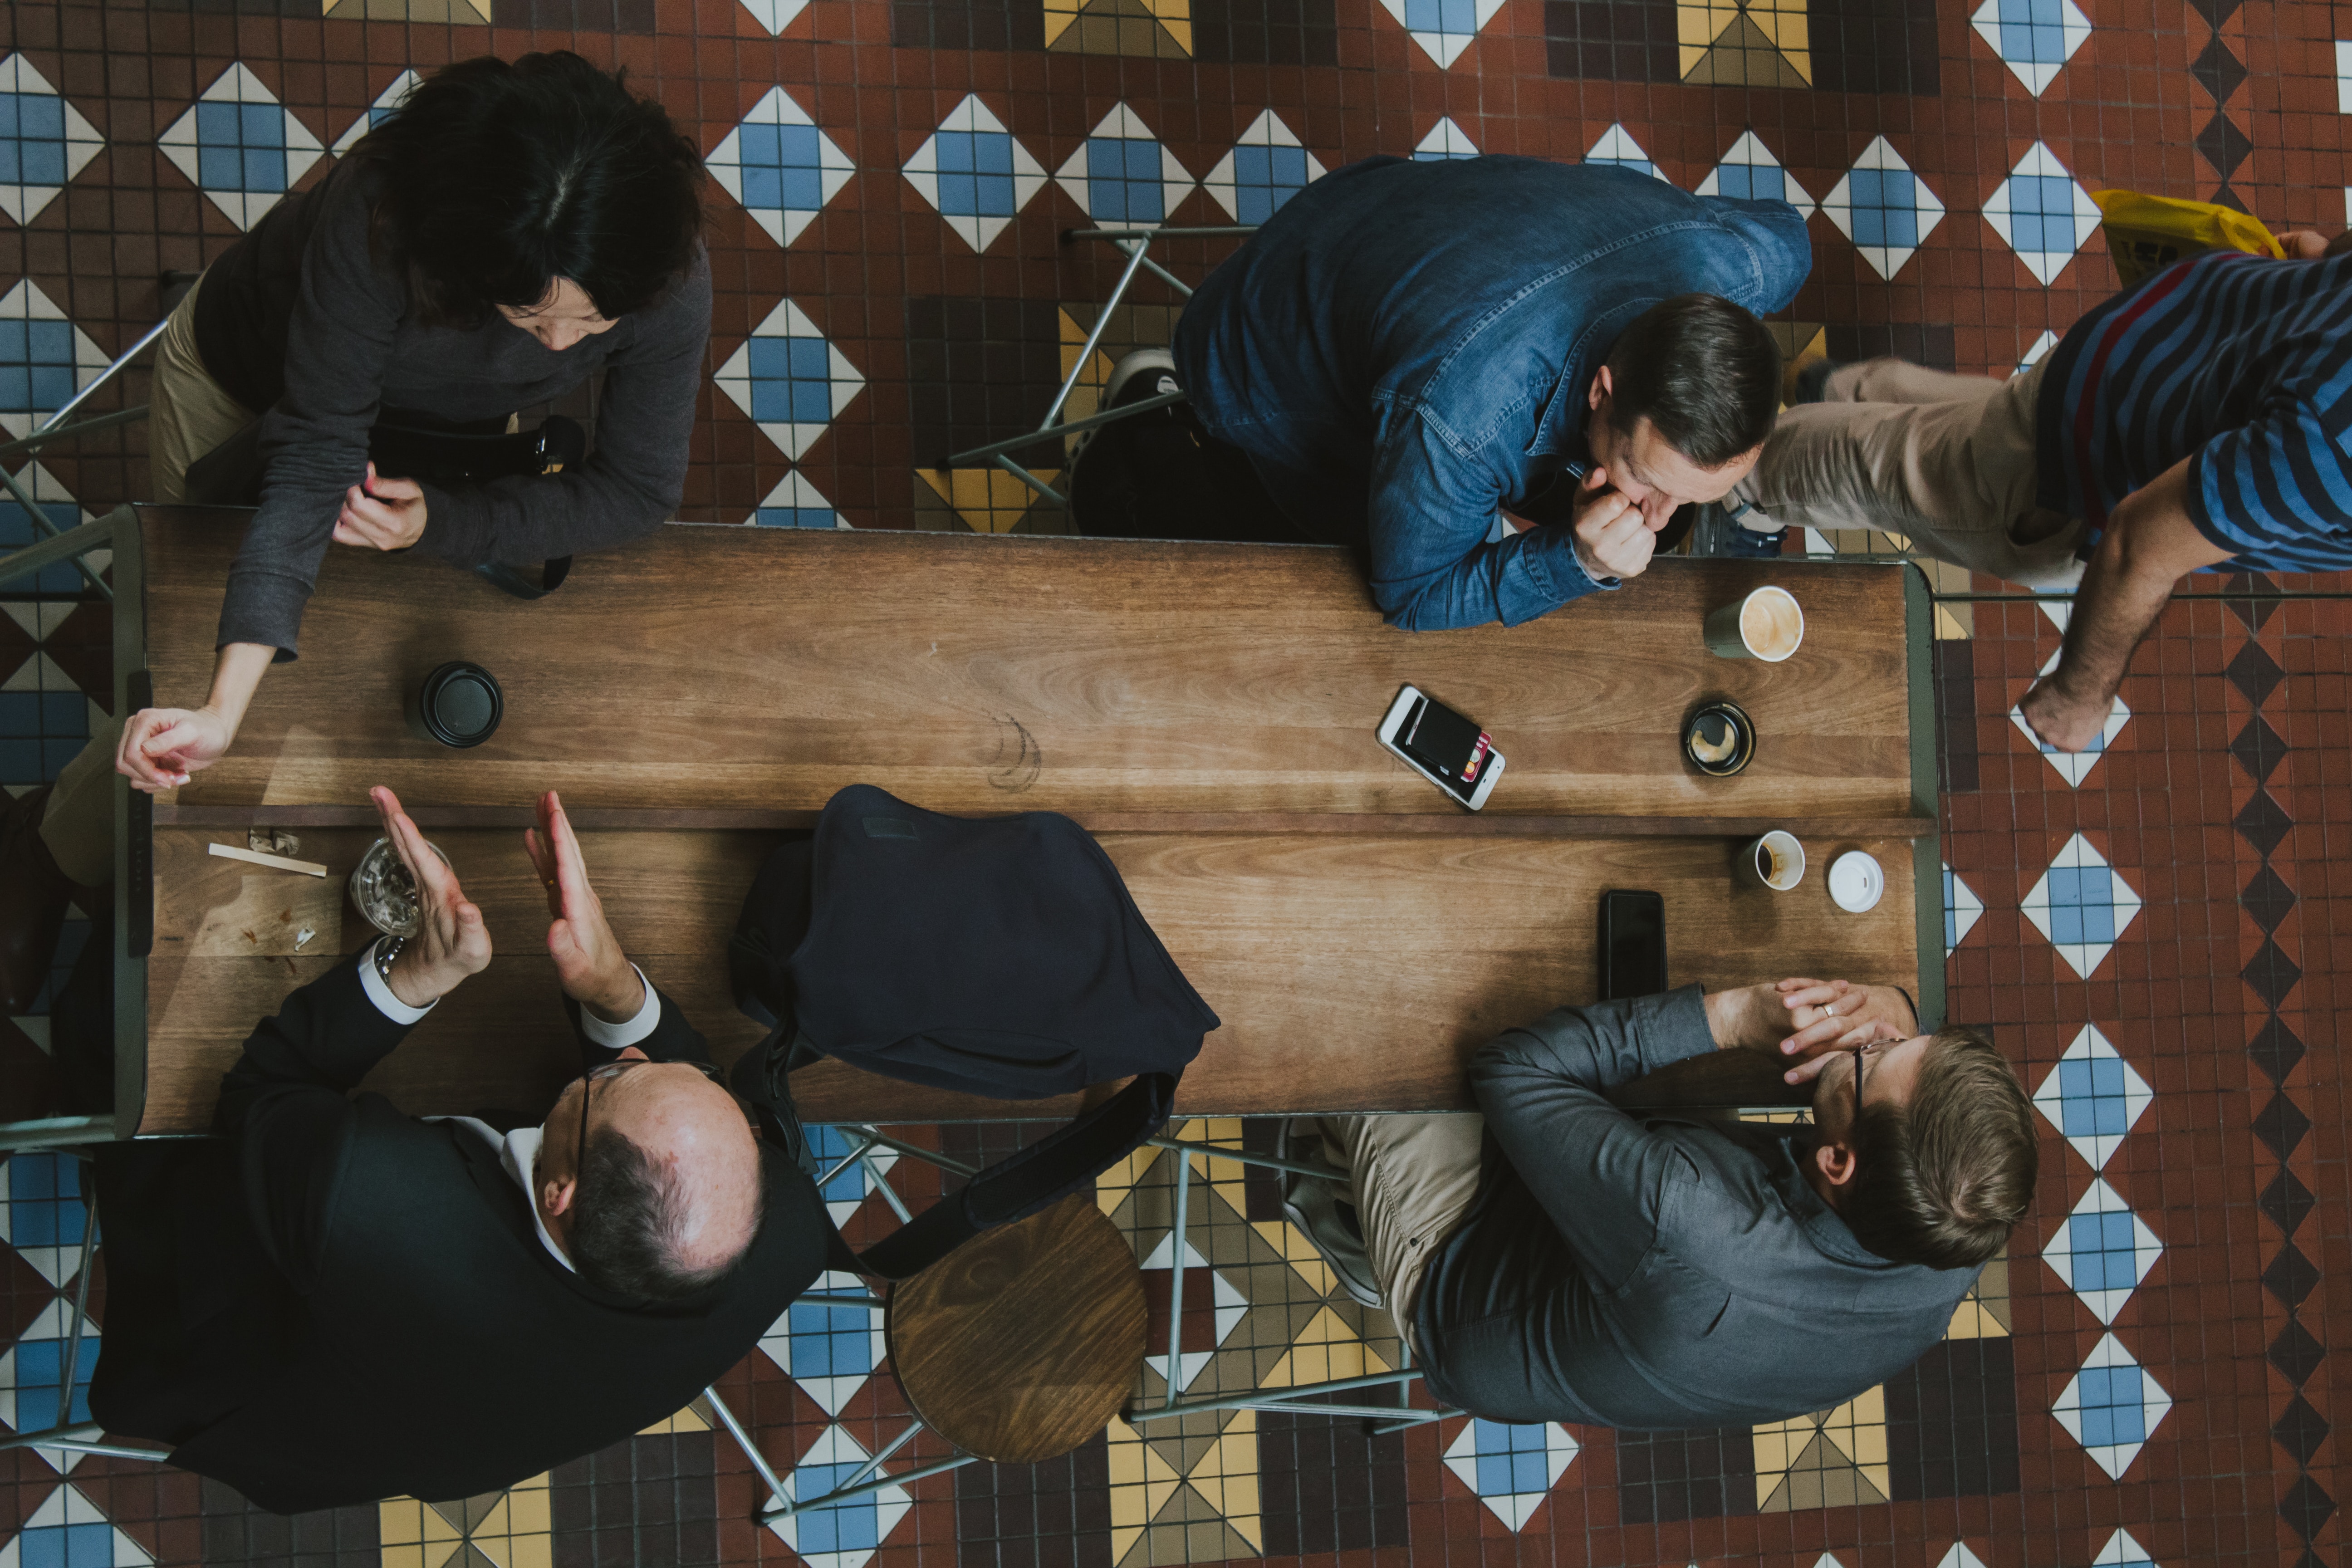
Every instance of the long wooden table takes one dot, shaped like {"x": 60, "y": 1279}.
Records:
{"x": 1206, "y": 709}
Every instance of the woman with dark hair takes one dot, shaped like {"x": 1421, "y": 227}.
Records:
{"x": 507, "y": 232}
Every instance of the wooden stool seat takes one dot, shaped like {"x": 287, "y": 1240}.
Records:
{"x": 1024, "y": 1341}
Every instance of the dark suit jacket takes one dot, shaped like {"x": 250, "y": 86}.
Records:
{"x": 340, "y": 1303}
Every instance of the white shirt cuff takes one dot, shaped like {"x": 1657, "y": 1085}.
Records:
{"x": 629, "y": 1031}
{"x": 390, "y": 1006}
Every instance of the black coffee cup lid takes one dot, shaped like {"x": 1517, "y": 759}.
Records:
{"x": 461, "y": 704}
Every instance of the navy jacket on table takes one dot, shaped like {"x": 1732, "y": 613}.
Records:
{"x": 334, "y": 1302}
{"x": 1404, "y": 347}
{"x": 1622, "y": 1270}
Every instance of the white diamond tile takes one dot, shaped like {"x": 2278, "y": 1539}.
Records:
{"x": 1266, "y": 167}
{"x": 54, "y": 143}
{"x": 1617, "y": 148}
{"x": 2112, "y": 1406}
{"x": 848, "y": 1533}
{"x": 790, "y": 380}
{"x": 1446, "y": 140}
{"x": 2102, "y": 1251}
{"x": 2082, "y": 905}
{"x": 780, "y": 167}
{"x": 1442, "y": 28}
{"x": 1962, "y": 910}
{"x": 2042, "y": 212}
{"x": 241, "y": 186}
{"x": 1122, "y": 176}
{"x": 829, "y": 1347}
{"x": 1512, "y": 1469}
{"x": 975, "y": 173}
{"x": 2034, "y": 38}
{"x": 2092, "y": 1097}
{"x": 1750, "y": 172}
{"x": 390, "y": 98}
{"x": 1885, "y": 209}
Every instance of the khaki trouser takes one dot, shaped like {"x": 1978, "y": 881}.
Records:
{"x": 188, "y": 414}
{"x": 1948, "y": 461}
{"x": 78, "y": 825}
{"x": 1414, "y": 1178}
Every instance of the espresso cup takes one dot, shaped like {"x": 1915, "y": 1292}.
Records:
{"x": 1766, "y": 623}
{"x": 1776, "y": 861}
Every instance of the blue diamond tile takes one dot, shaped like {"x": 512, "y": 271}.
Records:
{"x": 796, "y": 503}
{"x": 42, "y": 1215}
{"x": 2081, "y": 905}
{"x": 844, "y": 1534}
{"x": 43, "y": 360}
{"x": 1442, "y": 28}
{"x": 780, "y": 167}
{"x": 1444, "y": 141}
{"x": 44, "y": 140}
{"x": 1885, "y": 209}
{"x": 2042, "y": 214}
{"x": 775, "y": 16}
{"x": 1265, "y": 169}
{"x": 789, "y": 379}
{"x": 2034, "y": 38}
{"x": 2102, "y": 1251}
{"x": 1618, "y": 149}
{"x": 829, "y": 1347}
{"x": 2092, "y": 1097}
{"x": 1962, "y": 910}
{"x": 975, "y": 172}
{"x": 2073, "y": 766}
{"x": 1121, "y": 176}
{"x": 845, "y": 1185}
{"x": 68, "y": 1531}
{"x": 1512, "y": 1469}
{"x": 2111, "y": 1407}
{"x": 33, "y": 1369}
{"x": 1750, "y": 173}
{"x": 2122, "y": 1551}
{"x": 390, "y": 98}
{"x": 54, "y": 503}
{"x": 240, "y": 146}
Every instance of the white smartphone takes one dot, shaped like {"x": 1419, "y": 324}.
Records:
{"x": 1443, "y": 747}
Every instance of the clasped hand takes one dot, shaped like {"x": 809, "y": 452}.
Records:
{"x": 1615, "y": 535}
{"x": 452, "y": 942}
{"x": 1806, "y": 1022}
{"x": 382, "y": 514}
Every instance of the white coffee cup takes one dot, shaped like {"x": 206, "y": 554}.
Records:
{"x": 1776, "y": 861}
{"x": 1856, "y": 882}
{"x": 1766, "y": 624}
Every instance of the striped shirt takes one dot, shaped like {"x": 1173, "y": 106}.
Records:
{"x": 2243, "y": 365}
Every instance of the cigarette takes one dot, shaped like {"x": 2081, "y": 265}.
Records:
{"x": 279, "y": 862}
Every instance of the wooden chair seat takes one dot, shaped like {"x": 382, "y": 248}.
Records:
{"x": 1021, "y": 1344}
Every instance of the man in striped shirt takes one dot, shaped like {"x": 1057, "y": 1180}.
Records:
{"x": 2203, "y": 416}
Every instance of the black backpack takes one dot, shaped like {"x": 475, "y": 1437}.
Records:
{"x": 1000, "y": 956}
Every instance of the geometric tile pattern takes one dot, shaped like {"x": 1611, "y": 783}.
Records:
{"x": 1831, "y": 1459}
{"x": 2075, "y": 766}
{"x": 975, "y": 172}
{"x": 68, "y": 1531}
{"x": 42, "y": 1215}
{"x": 2122, "y": 1551}
{"x": 796, "y": 503}
{"x": 2042, "y": 212}
{"x": 504, "y": 1530}
{"x": 2093, "y": 1096}
{"x": 789, "y": 379}
{"x": 56, "y": 506}
{"x": 844, "y": 1534}
{"x": 1442, "y": 28}
{"x": 390, "y": 98}
{"x": 775, "y": 16}
{"x": 829, "y": 1347}
{"x": 32, "y": 1376}
{"x": 1267, "y": 167}
{"x": 1121, "y": 177}
{"x": 1962, "y": 910}
{"x": 2034, "y": 38}
{"x": 2111, "y": 1407}
{"x": 779, "y": 165}
{"x": 1885, "y": 209}
{"x": 1445, "y": 140}
{"x": 240, "y": 146}
{"x": 2102, "y": 1251}
{"x": 1512, "y": 1469}
{"x": 44, "y": 140}
{"x": 1617, "y": 148}
{"x": 43, "y": 358}
{"x": 2081, "y": 905}
{"x": 1750, "y": 172}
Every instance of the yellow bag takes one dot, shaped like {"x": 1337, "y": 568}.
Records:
{"x": 2147, "y": 232}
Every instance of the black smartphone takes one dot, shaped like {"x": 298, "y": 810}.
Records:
{"x": 1632, "y": 944}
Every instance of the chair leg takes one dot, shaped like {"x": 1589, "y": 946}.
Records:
{"x": 80, "y": 1313}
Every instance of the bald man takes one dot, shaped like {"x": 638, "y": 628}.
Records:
{"x": 337, "y": 1304}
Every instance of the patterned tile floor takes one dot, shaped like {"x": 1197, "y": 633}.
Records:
{"x": 2148, "y": 929}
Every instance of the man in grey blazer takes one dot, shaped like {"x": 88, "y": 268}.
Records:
{"x": 1557, "y": 1258}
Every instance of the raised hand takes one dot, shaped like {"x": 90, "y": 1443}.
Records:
{"x": 588, "y": 961}
{"x": 451, "y": 942}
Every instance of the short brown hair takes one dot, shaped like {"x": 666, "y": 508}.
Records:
{"x": 1942, "y": 1180}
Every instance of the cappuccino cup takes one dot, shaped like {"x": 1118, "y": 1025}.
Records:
{"x": 1776, "y": 861}
{"x": 1766, "y": 623}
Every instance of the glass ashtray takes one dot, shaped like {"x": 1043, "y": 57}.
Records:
{"x": 384, "y": 891}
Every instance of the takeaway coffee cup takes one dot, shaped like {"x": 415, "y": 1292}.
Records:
{"x": 1720, "y": 740}
{"x": 459, "y": 704}
{"x": 1776, "y": 861}
{"x": 1856, "y": 882}
{"x": 1765, "y": 625}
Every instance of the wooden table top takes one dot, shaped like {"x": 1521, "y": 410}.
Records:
{"x": 716, "y": 671}
{"x": 1206, "y": 709}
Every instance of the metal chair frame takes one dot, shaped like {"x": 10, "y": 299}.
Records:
{"x": 1136, "y": 244}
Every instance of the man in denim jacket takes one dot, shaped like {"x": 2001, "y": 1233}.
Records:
{"x": 1499, "y": 375}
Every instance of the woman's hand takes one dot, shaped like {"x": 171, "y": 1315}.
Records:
{"x": 451, "y": 942}
{"x": 382, "y": 514}
{"x": 161, "y": 746}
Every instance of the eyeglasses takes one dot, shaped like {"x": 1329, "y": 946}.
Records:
{"x": 1859, "y": 1052}
{"x": 610, "y": 1070}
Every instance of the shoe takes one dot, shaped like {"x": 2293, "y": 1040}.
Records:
{"x": 1320, "y": 1208}
{"x": 1143, "y": 373}
{"x": 1812, "y": 380}
{"x": 1721, "y": 532}
{"x": 33, "y": 897}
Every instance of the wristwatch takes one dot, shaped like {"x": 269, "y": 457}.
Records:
{"x": 385, "y": 952}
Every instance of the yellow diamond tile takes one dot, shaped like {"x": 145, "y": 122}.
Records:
{"x": 415, "y": 1536}
{"x": 1226, "y": 1477}
{"x": 989, "y": 501}
{"x": 1299, "y": 1253}
{"x": 1325, "y": 1350}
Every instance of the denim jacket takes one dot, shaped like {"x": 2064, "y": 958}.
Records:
{"x": 1405, "y": 347}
